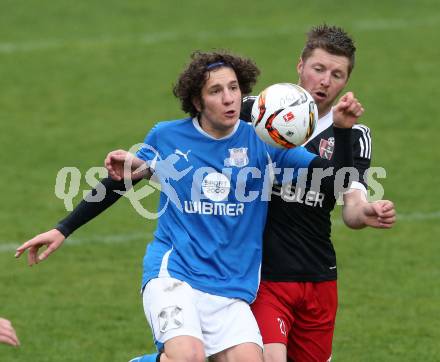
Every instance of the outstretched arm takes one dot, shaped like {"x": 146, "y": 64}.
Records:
{"x": 86, "y": 211}
{"x": 358, "y": 213}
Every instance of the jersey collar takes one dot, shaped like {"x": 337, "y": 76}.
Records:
{"x": 200, "y": 130}
{"x": 322, "y": 124}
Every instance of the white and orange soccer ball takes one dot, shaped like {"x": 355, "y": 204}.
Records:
{"x": 284, "y": 115}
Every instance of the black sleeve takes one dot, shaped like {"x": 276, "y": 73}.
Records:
{"x": 342, "y": 157}
{"x": 246, "y": 108}
{"x": 86, "y": 211}
{"x": 362, "y": 151}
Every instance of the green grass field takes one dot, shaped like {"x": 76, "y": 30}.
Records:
{"x": 79, "y": 79}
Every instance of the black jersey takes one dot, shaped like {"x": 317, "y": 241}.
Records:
{"x": 297, "y": 244}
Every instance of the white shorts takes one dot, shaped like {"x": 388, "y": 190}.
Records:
{"x": 173, "y": 308}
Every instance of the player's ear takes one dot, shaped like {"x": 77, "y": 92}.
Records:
{"x": 300, "y": 66}
{"x": 197, "y": 104}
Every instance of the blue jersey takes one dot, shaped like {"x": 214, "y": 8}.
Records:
{"x": 214, "y": 197}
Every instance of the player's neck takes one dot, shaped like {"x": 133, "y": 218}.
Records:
{"x": 216, "y": 131}
{"x": 322, "y": 112}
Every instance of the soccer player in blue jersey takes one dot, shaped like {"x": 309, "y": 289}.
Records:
{"x": 201, "y": 270}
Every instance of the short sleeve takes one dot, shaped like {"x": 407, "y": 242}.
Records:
{"x": 289, "y": 161}
{"x": 148, "y": 151}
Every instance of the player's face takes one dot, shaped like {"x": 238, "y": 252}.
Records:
{"x": 220, "y": 102}
{"x": 324, "y": 76}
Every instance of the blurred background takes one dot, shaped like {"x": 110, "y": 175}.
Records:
{"x": 79, "y": 79}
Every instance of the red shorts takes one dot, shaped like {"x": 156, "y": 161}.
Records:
{"x": 300, "y": 315}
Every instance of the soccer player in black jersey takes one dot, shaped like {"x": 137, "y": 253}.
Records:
{"x": 297, "y": 299}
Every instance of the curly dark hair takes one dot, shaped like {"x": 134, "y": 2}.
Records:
{"x": 331, "y": 39}
{"x": 191, "y": 81}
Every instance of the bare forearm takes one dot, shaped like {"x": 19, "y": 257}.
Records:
{"x": 359, "y": 213}
{"x": 354, "y": 212}
{"x": 354, "y": 216}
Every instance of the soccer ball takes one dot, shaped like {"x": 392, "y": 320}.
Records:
{"x": 284, "y": 115}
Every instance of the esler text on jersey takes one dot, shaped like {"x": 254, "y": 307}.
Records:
{"x": 290, "y": 193}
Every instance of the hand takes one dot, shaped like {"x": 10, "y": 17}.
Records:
{"x": 380, "y": 214}
{"x": 7, "y": 333}
{"x": 347, "y": 111}
{"x": 121, "y": 164}
{"x": 52, "y": 239}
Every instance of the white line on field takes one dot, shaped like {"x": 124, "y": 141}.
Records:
{"x": 415, "y": 216}
{"x": 244, "y": 33}
{"x": 419, "y": 216}
{"x": 141, "y": 39}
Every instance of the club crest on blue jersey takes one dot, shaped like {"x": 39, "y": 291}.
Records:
{"x": 237, "y": 157}
{"x": 326, "y": 148}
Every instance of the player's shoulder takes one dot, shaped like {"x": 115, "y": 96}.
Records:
{"x": 362, "y": 141}
{"x": 169, "y": 125}
{"x": 166, "y": 129}
{"x": 249, "y": 99}
{"x": 246, "y": 108}
{"x": 173, "y": 123}
{"x": 361, "y": 130}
